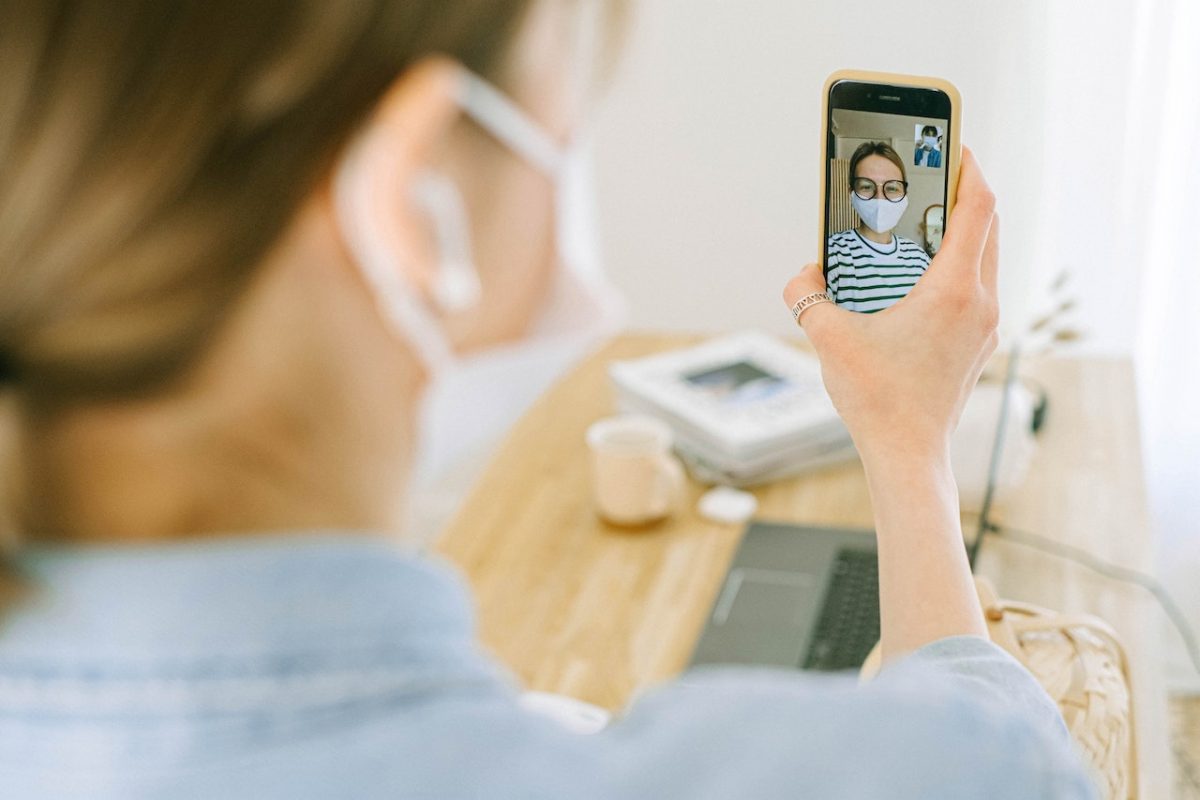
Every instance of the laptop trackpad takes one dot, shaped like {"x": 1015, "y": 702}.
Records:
{"x": 763, "y": 615}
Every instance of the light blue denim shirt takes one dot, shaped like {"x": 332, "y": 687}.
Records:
{"x": 332, "y": 665}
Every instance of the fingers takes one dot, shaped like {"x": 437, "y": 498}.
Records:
{"x": 971, "y": 220}
{"x": 809, "y": 280}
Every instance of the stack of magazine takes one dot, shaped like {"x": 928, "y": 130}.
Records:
{"x": 745, "y": 408}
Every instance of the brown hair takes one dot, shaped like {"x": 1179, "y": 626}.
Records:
{"x": 151, "y": 152}
{"x": 876, "y": 149}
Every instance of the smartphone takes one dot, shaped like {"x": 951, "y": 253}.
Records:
{"x": 890, "y": 159}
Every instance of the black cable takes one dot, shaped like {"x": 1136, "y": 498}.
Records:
{"x": 985, "y": 523}
{"x": 1108, "y": 570}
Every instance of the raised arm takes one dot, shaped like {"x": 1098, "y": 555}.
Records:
{"x": 900, "y": 379}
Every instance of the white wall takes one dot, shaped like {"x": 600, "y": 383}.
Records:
{"x": 708, "y": 154}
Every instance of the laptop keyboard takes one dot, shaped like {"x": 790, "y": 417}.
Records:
{"x": 848, "y": 626}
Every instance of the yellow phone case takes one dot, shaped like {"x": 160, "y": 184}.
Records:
{"x": 953, "y": 157}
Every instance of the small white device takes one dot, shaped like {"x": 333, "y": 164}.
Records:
{"x": 727, "y": 505}
{"x": 574, "y": 715}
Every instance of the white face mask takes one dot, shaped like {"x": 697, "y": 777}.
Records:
{"x": 582, "y": 308}
{"x": 930, "y": 142}
{"x": 879, "y": 214}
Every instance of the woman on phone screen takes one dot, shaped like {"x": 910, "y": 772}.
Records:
{"x": 240, "y": 244}
{"x": 869, "y": 268}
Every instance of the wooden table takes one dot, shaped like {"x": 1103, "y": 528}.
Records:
{"x": 578, "y": 607}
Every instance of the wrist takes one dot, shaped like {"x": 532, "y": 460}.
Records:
{"x": 908, "y": 457}
{"x": 912, "y": 480}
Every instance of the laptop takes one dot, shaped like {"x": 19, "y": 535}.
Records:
{"x": 805, "y": 598}
{"x": 808, "y": 597}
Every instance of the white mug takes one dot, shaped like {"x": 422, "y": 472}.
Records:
{"x": 635, "y": 478}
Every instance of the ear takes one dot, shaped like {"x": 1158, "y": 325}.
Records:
{"x": 375, "y": 179}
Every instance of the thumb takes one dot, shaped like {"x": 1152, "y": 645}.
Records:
{"x": 809, "y": 281}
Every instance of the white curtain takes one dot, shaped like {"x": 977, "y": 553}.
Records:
{"x": 1120, "y": 201}
{"x": 1168, "y": 340}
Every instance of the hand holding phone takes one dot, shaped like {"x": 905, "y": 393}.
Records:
{"x": 900, "y": 378}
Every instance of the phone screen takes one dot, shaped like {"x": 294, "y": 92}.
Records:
{"x": 886, "y": 189}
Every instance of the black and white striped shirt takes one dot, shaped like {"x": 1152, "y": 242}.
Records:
{"x": 864, "y": 276}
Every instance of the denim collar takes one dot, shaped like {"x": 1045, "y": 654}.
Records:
{"x": 237, "y": 622}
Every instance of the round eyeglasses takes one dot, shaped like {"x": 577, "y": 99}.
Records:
{"x": 867, "y": 189}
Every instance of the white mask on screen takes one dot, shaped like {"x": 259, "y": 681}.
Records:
{"x": 581, "y": 309}
{"x": 879, "y": 214}
{"x": 929, "y": 142}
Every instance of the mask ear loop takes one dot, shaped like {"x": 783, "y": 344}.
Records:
{"x": 456, "y": 286}
{"x": 500, "y": 117}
